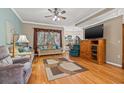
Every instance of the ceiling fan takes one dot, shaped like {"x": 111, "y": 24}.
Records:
{"x": 56, "y": 14}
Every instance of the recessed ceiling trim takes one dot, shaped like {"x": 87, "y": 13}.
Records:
{"x": 51, "y": 24}
{"x": 101, "y": 21}
{"x": 14, "y": 11}
{"x": 78, "y": 23}
{"x": 35, "y": 23}
{"x": 29, "y": 22}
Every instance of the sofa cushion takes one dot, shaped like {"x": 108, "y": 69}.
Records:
{"x": 50, "y": 51}
{"x": 6, "y": 60}
{"x": 3, "y": 52}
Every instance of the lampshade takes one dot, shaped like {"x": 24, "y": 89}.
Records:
{"x": 22, "y": 39}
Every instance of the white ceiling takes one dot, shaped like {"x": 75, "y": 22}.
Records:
{"x": 36, "y": 15}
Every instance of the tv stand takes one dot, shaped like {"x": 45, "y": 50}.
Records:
{"x": 93, "y": 50}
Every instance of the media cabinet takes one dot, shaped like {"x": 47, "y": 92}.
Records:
{"x": 93, "y": 50}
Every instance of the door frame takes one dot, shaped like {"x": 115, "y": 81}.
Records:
{"x": 123, "y": 46}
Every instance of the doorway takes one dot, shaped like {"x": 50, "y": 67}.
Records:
{"x": 123, "y": 46}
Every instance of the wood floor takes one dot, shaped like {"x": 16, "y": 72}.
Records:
{"x": 96, "y": 74}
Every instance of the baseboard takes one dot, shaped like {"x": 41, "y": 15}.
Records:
{"x": 118, "y": 65}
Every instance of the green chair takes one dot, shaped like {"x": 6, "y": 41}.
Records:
{"x": 75, "y": 51}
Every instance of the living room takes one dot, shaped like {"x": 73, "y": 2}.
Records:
{"x": 57, "y": 46}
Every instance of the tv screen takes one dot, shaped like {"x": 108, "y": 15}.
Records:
{"x": 94, "y": 32}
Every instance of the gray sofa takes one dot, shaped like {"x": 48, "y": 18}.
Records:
{"x": 14, "y": 71}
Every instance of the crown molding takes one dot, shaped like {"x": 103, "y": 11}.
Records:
{"x": 35, "y": 23}
{"x": 14, "y": 11}
{"x": 29, "y": 22}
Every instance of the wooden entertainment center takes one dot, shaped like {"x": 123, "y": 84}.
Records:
{"x": 93, "y": 50}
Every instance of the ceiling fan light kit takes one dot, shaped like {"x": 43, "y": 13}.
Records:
{"x": 56, "y": 14}
{"x": 56, "y": 18}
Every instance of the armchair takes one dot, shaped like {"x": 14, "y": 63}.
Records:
{"x": 75, "y": 51}
{"x": 14, "y": 71}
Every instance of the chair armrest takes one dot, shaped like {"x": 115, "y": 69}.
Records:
{"x": 11, "y": 74}
{"x": 21, "y": 60}
{"x": 32, "y": 57}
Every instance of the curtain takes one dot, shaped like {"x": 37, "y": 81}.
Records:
{"x": 47, "y": 39}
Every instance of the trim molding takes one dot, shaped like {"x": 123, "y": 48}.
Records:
{"x": 35, "y": 23}
{"x": 104, "y": 17}
{"x": 86, "y": 18}
{"x": 101, "y": 21}
{"x": 118, "y": 65}
{"x": 29, "y": 22}
{"x": 14, "y": 11}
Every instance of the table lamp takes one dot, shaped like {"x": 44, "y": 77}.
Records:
{"x": 22, "y": 40}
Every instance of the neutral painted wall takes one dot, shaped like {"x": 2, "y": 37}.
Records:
{"x": 6, "y": 14}
{"x": 113, "y": 28}
{"x": 28, "y": 29}
{"x": 113, "y": 36}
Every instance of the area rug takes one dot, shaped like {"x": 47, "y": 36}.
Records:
{"x": 61, "y": 67}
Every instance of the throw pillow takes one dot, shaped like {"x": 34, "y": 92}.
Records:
{"x": 20, "y": 49}
{"x": 54, "y": 47}
{"x": 45, "y": 47}
{"x": 26, "y": 49}
{"x": 6, "y": 60}
{"x": 41, "y": 48}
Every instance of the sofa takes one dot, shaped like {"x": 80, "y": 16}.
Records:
{"x": 50, "y": 52}
{"x": 14, "y": 70}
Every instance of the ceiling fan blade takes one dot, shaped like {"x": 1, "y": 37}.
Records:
{"x": 50, "y": 10}
{"x": 56, "y": 9}
{"x": 49, "y": 16}
{"x": 62, "y": 17}
{"x": 63, "y": 12}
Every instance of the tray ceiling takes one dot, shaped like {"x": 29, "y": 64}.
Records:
{"x": 36, "y": 15}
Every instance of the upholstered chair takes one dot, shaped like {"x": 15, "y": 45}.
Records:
{"x": 14, "y": 70}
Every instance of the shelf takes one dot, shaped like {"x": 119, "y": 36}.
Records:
{"x": 94, "y": 44}
{"x": 94, "y": 54}
{"x": 95, "y": 50}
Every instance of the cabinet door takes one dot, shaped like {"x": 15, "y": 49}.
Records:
{"x": 88, "y": 51}
{"x": 85, "y": 48}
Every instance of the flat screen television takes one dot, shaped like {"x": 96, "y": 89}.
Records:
{"x": 94, "y": 32}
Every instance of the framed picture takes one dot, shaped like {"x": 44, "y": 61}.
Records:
{"x": 10, "y": 30}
